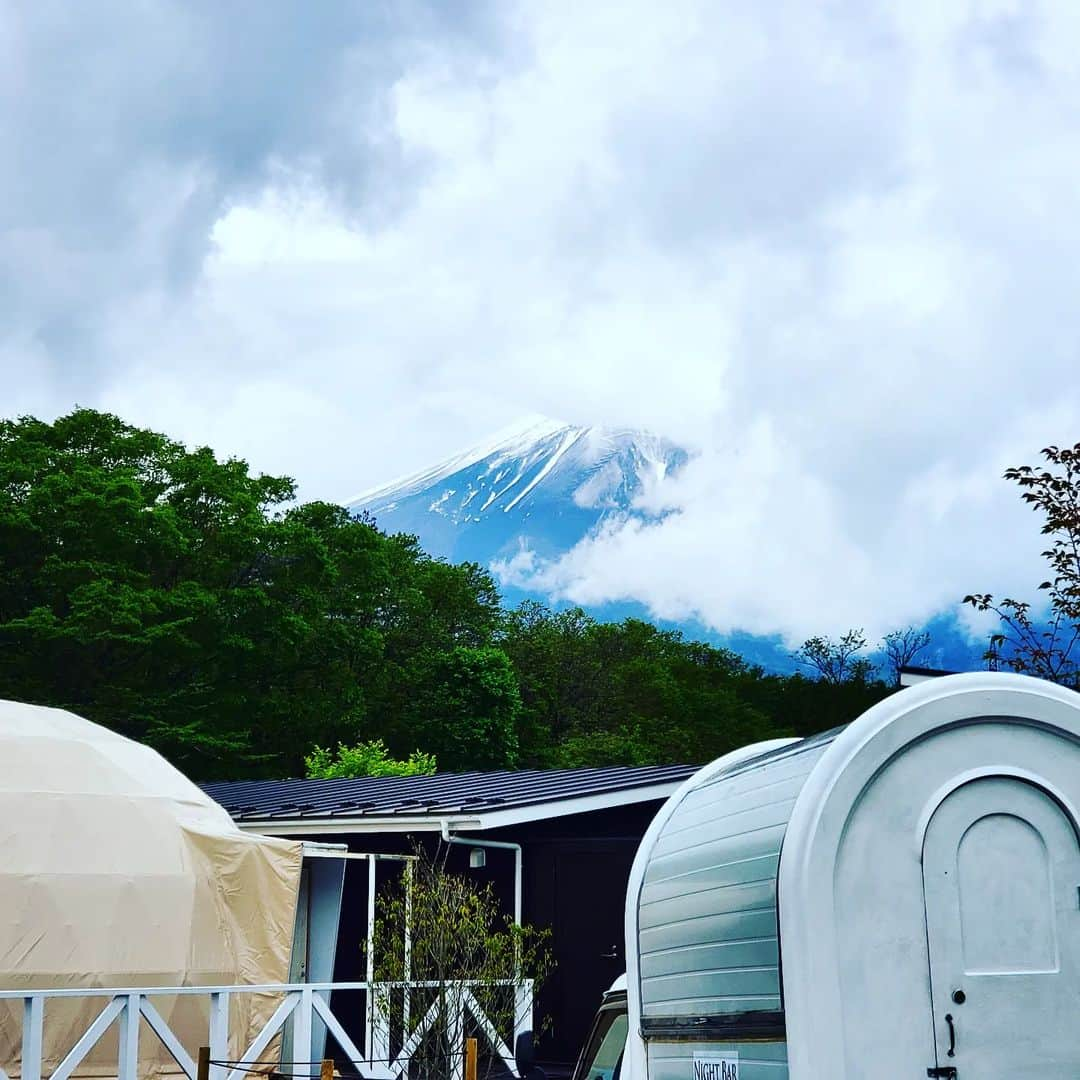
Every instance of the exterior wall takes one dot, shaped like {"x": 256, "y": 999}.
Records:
{"x": 575, "y": 875}
{"x": 852, "y": 916}
{"x": 881, "y": 963}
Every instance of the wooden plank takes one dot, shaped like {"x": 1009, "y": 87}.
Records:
{"x": 470, "y": 1059}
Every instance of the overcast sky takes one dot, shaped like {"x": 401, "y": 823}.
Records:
{"x": 831, "y": 245}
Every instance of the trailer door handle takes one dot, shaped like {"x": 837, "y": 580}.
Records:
{"x": 952, "y": 1035}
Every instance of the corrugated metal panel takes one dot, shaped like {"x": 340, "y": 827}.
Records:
{"x": 443, "y": 793}
{"x": 707, "y": 920}
{"x": 758, "y": 1060}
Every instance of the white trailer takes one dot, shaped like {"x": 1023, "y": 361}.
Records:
{"x": 897, "y": 898}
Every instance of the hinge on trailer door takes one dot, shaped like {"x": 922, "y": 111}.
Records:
{"x": 942, "y": 1072}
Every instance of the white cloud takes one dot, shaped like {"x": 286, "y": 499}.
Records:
{"x": 831, "y": 246}
{"x": 759, "y": 541}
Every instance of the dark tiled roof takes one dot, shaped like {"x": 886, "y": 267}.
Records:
{"x": 443, "y": 793}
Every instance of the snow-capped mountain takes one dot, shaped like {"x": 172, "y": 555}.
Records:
{"x": 541, "y": 486}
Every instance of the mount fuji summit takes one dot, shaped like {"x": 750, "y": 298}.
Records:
{"x": 539, "y": 487}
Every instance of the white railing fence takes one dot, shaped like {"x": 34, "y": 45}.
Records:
{"x": 304, "y": 1007}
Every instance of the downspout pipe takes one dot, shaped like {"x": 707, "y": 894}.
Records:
{"x": 504, "y": 845}
{"x": 523, "y": 1008}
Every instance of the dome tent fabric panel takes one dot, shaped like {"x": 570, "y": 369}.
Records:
{"x": 118, "y": 871}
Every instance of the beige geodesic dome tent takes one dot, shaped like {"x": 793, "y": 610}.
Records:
{"x": 117, "y": 871}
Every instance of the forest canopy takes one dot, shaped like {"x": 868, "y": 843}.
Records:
{"x": 183, "y": 600}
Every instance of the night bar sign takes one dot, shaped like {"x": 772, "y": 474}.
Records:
{"x": 724, "y": 1066}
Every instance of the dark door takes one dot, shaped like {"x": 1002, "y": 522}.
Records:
{"x": 590, "y": 896}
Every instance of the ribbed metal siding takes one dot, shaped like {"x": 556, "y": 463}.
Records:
{"x": 757, "y": 1060}
{"x": 707, "y": 917}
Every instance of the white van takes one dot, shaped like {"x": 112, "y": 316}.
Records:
{"x": 602, "y": 1055}
{"x": 896, "y": 898}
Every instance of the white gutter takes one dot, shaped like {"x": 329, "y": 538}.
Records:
{"x": 504, "y": 845}
{"x": 303, "y": 827}
{"x": 314, "y": 849}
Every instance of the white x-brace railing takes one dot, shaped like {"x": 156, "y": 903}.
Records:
{"x": 302, "y": 1005}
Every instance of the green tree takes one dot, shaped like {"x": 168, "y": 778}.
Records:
{"x": 184, "y": 601}
{"x": 365, "y": 759}
{"x": 624, "y": 693}
{"x": 1026, "y": 640}
{"x": 800, "y": 706}
{"x": 559, "y": 676}
{"x": 836, "y": 661}
{"x": 903, "y": 646}
{"x": 463, "y": 706}
{"x": 187, "y": 602}
{"x": 116, "y": 545}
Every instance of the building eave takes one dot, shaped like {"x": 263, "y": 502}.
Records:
{"x": 433, "y": 821}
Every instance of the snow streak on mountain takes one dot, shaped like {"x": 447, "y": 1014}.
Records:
{"x": 531, "y": 493}
{"x": 540, "y": 487}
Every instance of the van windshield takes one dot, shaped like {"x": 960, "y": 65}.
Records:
{"x": 603, "y": 1055}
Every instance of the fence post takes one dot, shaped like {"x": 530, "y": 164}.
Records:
{"x": 326, "y": 1069}
{"x": 379, "y": 1031}
{"x": 369, "y": 963}
{"x": 219, "y": 1033}
{"x": 455, "y": 1022}
{"x": 301, "y": 1019}
{"x": 129, "y": 1039}
{"x": 33, "y": 1026}
{"x": 202, "y": 1071}
{"x": 523, "y": 1010}
{"x": 470, "y": 1059}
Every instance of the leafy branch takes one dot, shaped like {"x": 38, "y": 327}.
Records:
{"x": 442, "y": 930}
{"x": 1024, "y": 643}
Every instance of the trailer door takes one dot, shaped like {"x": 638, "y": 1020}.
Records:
{"x": 1001, "y": 871}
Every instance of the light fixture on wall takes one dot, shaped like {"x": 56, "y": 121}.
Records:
{"x": 477, "y": 858}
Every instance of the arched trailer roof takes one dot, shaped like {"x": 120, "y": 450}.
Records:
{"x": 776, "y": 903}
{"x": 708, "y": 933}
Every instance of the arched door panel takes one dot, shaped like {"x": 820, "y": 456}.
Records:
{"x": 1001, "y": 871}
